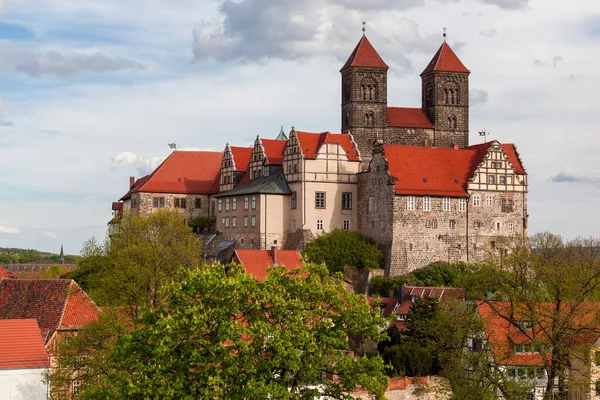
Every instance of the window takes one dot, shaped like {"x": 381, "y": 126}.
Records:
{"x": 246, "y": 203}
{"x": 498, "y": 225}
{"x": 452, "y": 122}
{"x": 346, "y": 224}
{"x": 346, "y": 201}
{"x": 133, "y": 202}
{"x": 370, "y": 119}
{"x": 234, "y": 204}
{"x": 254, "y": 202}
{"x": 319, "y": 224}
{"x": 477, "y": 224}
{"x": 233, "y": 222}
{"x": 434, "y": 223}
{"x": 410, "y": 203}
{"x": 428, "y": 223}
{"x": 491, "y": 179}
{"x": 246, "y": 221}
{"x": 401, "y": 317}
{"x": 158, "y": 202}
{"x": 198, "y": 202}
{"x": 446, "y": 203}
{"x": 426, "y": 203}
{"x": 76, "y": 387}
{"x": 489, "y": 201}
{"x": 371, "y": 204}
{"x": 462, "y": 205}
{"x": 502, "y": 180}
{"x": 452, "y": 224}
{"x": 220, "y": 205}
{"x": 510, "y": 226}
{"x": 293, "y": 225}
{"x": 226, "y": 222}
{"x": 253, "y": 221}
{"x": 319, "y": 199}
{"x": 507, "y": 204}
{"x": 294, "y": 200}
{"x": 476, "y": 201}
{"x": 226, "y": 204}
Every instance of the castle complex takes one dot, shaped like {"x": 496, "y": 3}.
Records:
{"x": 406, "y": 177}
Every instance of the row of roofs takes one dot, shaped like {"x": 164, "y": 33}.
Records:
{"x": 416, "y": 170}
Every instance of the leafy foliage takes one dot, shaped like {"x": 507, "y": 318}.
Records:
{"x": 222, "y": 334}
{"x": 58, "y": 271}
{"x": 145, "y": 253}
{"x": 201, "y": 224}
{"x": 30, "y": 256}
{"x": 340, "y": 248}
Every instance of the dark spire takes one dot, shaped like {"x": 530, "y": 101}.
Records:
{"x": 62, "y": 255}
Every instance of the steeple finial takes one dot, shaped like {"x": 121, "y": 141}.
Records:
{"x": 364, "y": 29}
{"x": 444, "y": 35}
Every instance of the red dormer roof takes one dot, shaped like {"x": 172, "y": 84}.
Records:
{"x": 310, "y": 143}
{"x": 117, "y": 206}
{"x": 430, "y": 171}
{"x": 274, "y": 150}
{"x": 55, "y": 303}
{"x": 241, "y": 156}
{"x": 22, "y": 345}
{"x": 256, "y": 262}
{"x": 184, "y": 172}
{"x": 409, "y": 117}
{"x": 445, "y": 60}
{"x": 364, "y": 55}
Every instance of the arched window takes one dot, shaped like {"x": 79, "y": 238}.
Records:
{"x": 452, "y": 122}
{"x": 451, "y": 93}
{"x": 370, "y": 119}
{"x": 368, "y": 89}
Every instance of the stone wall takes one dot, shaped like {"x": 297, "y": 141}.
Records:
{"x": 143, "y": 203}
{"x": 425, "y": 388}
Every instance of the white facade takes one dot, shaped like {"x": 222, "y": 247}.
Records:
{"x": 23, "y": 384}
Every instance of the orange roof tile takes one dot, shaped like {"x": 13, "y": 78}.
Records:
{"x": 185, "y": 172}
{"x": 3, "y": 274}
{"x": 430, "y": 171}
{"x": 256, "y": 262}
{"x": 274, "y": 150}
{"x": 409, "y": 117}
{"x": 310, "y": 143}
{"x": 241, "y": 157}
{"x": 22, "y": 345}
{"x": 364, "y": 55}
{"x": 508, "y": 148}
{"x": 48, "y": 301}
{"x": 445, "y": 60}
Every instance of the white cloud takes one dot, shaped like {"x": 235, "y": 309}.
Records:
{"x": 50, "y": 235}
{"x": 570, "y": 175}
{"x": 67, "y": 64}
{"x": 478, "y": 96}
{"x": 144, "y": 165}
{"x": 9, "y": 230}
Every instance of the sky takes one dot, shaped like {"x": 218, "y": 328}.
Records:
{"x": 92, "y": 92}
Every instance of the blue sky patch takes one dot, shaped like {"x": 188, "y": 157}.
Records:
{"x": 15, "y": 32}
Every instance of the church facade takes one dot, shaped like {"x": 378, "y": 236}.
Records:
{"x": 407, "y": 177}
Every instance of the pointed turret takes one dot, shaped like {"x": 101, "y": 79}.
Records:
{"x": 445, "y": 60}
{"x": 62, "y": 255}
{"x": 364, "y": 55}
{"x": 281, "y": 135}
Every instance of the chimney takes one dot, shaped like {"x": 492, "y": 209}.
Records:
{"x": 426, "y": 142}
{"x": 455, "y": 147}
{"x": 274, "y": 255}
{"x": 131, "y": 181}
{"x": 401, "y": 294}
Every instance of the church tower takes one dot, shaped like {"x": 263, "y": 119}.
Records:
{"x": 445, "y": 95}
{"x": 364, "y": 96}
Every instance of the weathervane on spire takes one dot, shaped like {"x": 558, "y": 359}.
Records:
{"x": 364, "y": 27}
{"x": 444, "y": 35}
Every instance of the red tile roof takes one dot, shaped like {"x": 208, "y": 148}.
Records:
{"x": 186, "y": 172}
{"x": 241, "y": 157}
{"x": 117, "y": 206}
{"x": 438, "y": 171}
{"x": 3, "y": 273}
{"x": 256, "y": 262}
{"x": 274, "y": 150}
{"x": 409, "y": 117}
{"x": 48, "y": 301}
{"x": 364, "y": 55}
{"x": 22, "y": 345}
{"x": 310, "y": 143}
{"x": 445, "y": 60}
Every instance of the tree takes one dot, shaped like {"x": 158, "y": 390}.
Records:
{"x": 136, "y": 260}
{"x": 57, "y": 271}
{"x": 222, "y": 334}
{"x": 548, "y": 296}
{"x": 341, "y": 247}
